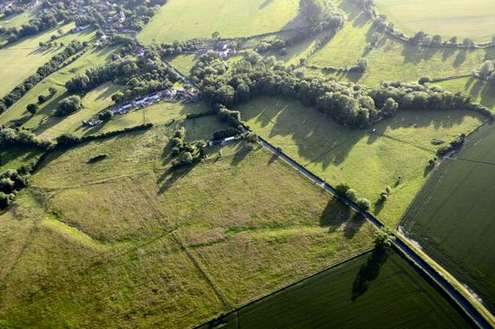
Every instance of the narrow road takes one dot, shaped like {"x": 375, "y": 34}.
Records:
{"x": 182, "y": 76}
{"x": 397, "y": 243}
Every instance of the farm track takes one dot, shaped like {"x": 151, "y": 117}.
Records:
{"x": 397, "y": 243}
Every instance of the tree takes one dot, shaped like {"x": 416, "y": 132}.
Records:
{"x": 364, "y": 204}
{"x": 352, "y": 195}
{"x": 383, "y": 239}
{"x": 315, "y": 11}
{"x": 342, "y": 188}
{"x": 52, "y": 91}
{"x": 41, "y": 99}
{"x": 69, "y": 105}
{"x": 32, "y": 108}
{"x": 105, "y": 115}
{"x": 468, "y": 42}
{"x": 486, "y": 69}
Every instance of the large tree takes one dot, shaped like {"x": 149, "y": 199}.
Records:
{"x": 315, "y": 11}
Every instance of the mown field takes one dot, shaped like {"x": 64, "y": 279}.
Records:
{"x": 390, "y": 59}
{"x": 367, "y": 160}
{"x": 179, "y": 20}
{"x": 23, "y": 58}
{"x": 370, "y": 291}
{"x": 123, "y": 242}
{"x": 465, "y": 18}
{"x": 452, "y": 217}
{"x": 94, "y": 101}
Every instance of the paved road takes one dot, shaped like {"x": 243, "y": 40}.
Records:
{"x": 398, "y": 244}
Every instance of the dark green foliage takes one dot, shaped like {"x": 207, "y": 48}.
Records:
{"x": 69, "y": 105}
{"x": 364, "y": 204}
{"x": 105, "y": 115}
{"x": 454, "y": 145}
{"x": 342, "y": 189}
{"x": 32, "y": 108}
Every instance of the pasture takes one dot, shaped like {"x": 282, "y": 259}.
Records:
{"x": 367, "y": 160}
{"x": 370, "y": 291}
{"x": 179, "y": 20}
{"x": 14, "y": 157}
{"x": 96, "y": 100}
{"x": 230, "y": 229}
{"x": 473, "y": 19}
{"x": 390, "y": 59}
{"x": 23, "y": 58}
{"x": 452, "y": 216}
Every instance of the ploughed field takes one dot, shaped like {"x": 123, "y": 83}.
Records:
{"x": 452, "y": 216}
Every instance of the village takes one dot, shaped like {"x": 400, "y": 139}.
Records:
{"x": 173, "y": 94}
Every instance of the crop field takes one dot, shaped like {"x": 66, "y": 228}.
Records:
{"x": 452, "y": 216}
{"x": 179, "y": 20}
{"x": 390, "y": 59}
{"x": 96, "y": 100}
{"x": 480, "y": 91}
{"x": 13, "y": 71}
{"x": 473, "y": 19}
{"x": 367, "y": 160}
{"x": 370, "y": 291}
{"x": 100, "y": 229}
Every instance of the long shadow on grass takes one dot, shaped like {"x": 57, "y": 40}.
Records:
{"x": 337, "y": 216}
{"x": 172, "y": 176}
{"x": 318, "y": 139}
{"x": 368, "y": 272}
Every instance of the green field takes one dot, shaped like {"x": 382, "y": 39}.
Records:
{"x": 480, "y": 91}
{"x": 23, "y": 58}
{"x": 13, "y": 157}
{"x": 390, "y": 59}
{"x": 180, "y": 20}
{"x": 451, "y": 218}
{"x": 366, "y": 292}
{"x": 462, "y": 18}
{"x": 96, "y": 100}
{"x": 367, "y": 160}
{"x": 143, "y": 247}
{"x": 184, "y": 63}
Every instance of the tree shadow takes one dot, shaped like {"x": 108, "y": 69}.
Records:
{"x": 335, "y": 215}
{"x": 368, "y": 273}
{"x": 379, "y": 204}
{"x": 241, "y": 152}
{"x": 460, "y": 58}
{"x": 353, "y": 225}
{"x": 172, "y": 176}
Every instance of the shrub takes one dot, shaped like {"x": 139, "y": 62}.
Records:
{"x": 32, "y": 108}
{"x": 69, "y": 105}
{"x": 352, "y": 195}
{"x": 364, "y": 204}
{"x": 342, "y": 189}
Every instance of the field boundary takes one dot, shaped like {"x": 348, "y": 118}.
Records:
{"x": 238, "y": 308}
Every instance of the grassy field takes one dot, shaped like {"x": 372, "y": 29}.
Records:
{"x": 452, "y": 216}
{"x": 184, "y": 62}
{"x": 231, "y": 229}
{"x": 367, "y": 160}
{"x": 390, "y": 59}
{"x": 179, "y": 20}
{"x": 473, "y": 19}
{"x": 102, "y": 95}
{"x": 480, "y": 91}
{"x": 13, "y": 157}
{"x": 367, "y": 292}
{"x": 23, "y": 58}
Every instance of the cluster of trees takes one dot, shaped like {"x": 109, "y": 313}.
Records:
{"x": 347, "y": 103}
{"x": 11, "y": 181}
{"x": 346, "y": 191}
{"x": 142, "y": 75}
{"x": 48, "y": 68}
{"x": 321, "y": 14}
{"x": 177, "y": 47}
{"x": 487, "y": 72}
{"x": 69, "y": 105}
{"x": 186, "y": 153}
{"x": 454, "y": 145}
{"x": 360, "y": 67}
{"x": 11, "y": 137}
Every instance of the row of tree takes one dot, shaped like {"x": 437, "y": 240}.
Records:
{"x": 349, "y": 104}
